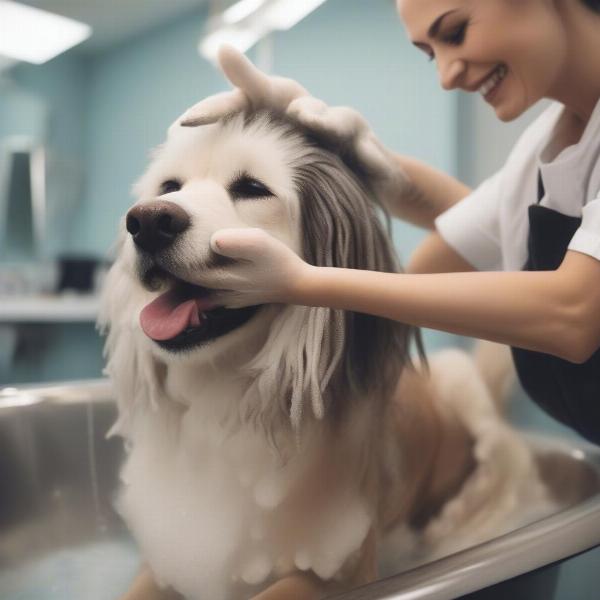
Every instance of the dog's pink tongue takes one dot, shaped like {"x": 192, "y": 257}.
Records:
{"x": 165, "y": 317}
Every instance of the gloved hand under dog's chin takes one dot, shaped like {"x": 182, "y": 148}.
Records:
{"x": 264, "y": 270}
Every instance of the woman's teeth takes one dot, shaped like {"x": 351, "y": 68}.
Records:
{"x": 491, "y": 82}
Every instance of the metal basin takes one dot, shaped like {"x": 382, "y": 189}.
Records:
{"x": 61, "y": 539}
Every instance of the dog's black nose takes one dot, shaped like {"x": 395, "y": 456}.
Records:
{"x": 155, "y": 225}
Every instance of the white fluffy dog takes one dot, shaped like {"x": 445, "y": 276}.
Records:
{"x": 274, "y": 451}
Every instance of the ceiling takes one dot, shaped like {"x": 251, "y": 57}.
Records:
{"x": 114, "y": 21}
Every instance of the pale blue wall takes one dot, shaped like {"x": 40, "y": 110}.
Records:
{"x": 46, "y": 102}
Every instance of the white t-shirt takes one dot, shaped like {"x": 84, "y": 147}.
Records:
{"x": 489, "y": 228}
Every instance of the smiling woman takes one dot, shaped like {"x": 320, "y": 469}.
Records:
{"x": 513, "y": 53}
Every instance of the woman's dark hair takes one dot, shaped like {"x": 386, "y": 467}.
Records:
{"x": 592, "y": 5}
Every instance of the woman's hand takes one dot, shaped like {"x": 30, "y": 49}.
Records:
{"x": 264, "y": 270}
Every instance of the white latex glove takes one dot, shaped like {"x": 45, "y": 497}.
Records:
{"x": 255, "y": 90}
{"x": 266, "y": 270}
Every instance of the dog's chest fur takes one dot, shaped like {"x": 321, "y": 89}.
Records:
{"x": 218, "y": 514}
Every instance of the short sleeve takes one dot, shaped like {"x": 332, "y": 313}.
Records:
{"x": 472, "y": 228}
{"x": 587, "y": 237}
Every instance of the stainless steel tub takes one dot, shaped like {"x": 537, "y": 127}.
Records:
{"x": 60, "y": 538}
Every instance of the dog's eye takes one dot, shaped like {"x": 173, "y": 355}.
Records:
{"x": 248, "y": 187}
{"x": 171, "y": 185}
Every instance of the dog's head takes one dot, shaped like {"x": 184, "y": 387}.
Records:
{"x": 250, "y": 170}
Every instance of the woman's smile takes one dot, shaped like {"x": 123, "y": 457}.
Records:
{"x": 490, "y": 87}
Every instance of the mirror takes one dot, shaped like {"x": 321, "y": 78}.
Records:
{"x": 22, "y": 199}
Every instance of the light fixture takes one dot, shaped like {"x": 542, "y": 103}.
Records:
{"x": 35, "y": 35}
{"x": 244, "y": 23}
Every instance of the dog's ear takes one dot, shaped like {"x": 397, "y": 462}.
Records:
{"x": 342, "y": 227}
{"x": 135, "y": 374}
{"x": 318, "y": 356}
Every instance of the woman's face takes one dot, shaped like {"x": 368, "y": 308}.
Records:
{"x": 512, "y": 52}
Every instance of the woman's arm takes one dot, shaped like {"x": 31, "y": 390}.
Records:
{"x": 429, "y": 193}
{"x": 556, "y": 312}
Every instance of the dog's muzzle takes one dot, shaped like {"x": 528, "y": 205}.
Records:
{"x": 183, "y": 315}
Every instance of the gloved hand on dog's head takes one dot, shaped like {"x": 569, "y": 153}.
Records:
{"x": 255, "y": 90}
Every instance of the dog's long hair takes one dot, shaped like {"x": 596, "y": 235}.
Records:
{"x": 313, "y": 357}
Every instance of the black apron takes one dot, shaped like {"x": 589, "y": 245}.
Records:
{"x": 567, "y": 391}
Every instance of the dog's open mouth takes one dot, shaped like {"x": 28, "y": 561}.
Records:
{"x": 185, "y": 316}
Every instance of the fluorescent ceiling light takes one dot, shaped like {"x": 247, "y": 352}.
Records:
{"x": 35, "y": 35}
{"x": 244, "y": 23}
